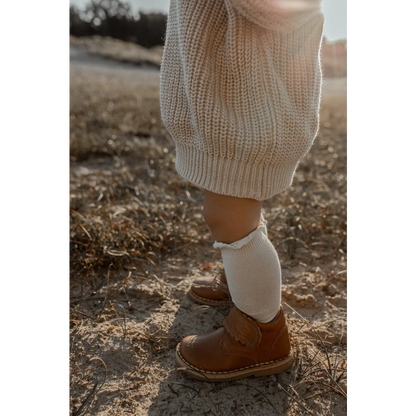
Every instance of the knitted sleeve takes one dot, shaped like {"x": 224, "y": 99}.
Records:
{"x": 279, "y": 15}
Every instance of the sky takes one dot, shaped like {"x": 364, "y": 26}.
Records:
{"x": 335, "y": 12}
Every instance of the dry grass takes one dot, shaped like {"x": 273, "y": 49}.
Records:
{"x": 138, "y": 238}
{"x": 128, "y": 203}
{"x": 333, "y": 57}
{"x": 117, "y": 50}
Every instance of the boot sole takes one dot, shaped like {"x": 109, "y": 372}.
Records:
{"x": 205, "y": 301}
{"x": 266, "y": 369}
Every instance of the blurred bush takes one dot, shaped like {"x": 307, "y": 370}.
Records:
{"x": 115, "y": 19}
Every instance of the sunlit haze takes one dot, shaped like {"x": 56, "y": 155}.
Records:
{"x": 335, "y": 13}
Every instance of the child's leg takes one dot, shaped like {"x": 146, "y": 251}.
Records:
{"x": 230, "y": 218}
{"x": 250, "y": 261}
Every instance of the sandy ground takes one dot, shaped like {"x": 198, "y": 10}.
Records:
{"x": 138, "y": 240}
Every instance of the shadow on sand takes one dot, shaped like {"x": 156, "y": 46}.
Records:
{"x": 180, "y": 394}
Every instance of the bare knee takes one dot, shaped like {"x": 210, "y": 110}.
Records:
{"x": 215, "y": 220}
{"x": 230, "y": 218}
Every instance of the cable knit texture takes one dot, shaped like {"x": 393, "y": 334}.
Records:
{"x": 240, "y": 86}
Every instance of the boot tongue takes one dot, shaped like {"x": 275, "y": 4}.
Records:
{"x": 242, "y": 328}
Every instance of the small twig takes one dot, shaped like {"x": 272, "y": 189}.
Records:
{"x": 84, "y": 314}
{"x": 93, "y": 391}
{"x": 113, "y": 308}
{"x": 80, "y": 216}
{"x": 184, "y": 385}
{"x": 293, "y": 398}
{"x": 108, "y": 291}
{"x": 336, "y": 364}
{"x": 186, "y": 370}
{"x": 333, "y": 388}
{"x": 86, "y": 232}
{"x": 105, "y": 367}
{"x": 86, "y": 401}
{"x": 321, "y": 369}
{"x": 124, "y": 320}
{"x": 254, "y": 388}
{"x": 319, "y": 393}
{"x": 173, "y": 391}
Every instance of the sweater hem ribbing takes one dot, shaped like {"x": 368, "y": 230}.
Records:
{"x": 233, "y": 177}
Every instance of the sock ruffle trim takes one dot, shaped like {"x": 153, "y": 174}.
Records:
{"x": 245, "y": 240}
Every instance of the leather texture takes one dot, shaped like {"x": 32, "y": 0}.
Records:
{"x": 239, "y": 343}
{"x": 211, "y": 289}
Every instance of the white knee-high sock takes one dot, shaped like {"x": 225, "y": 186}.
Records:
{"x": 253, "y": 274}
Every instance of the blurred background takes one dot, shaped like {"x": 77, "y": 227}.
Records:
{"x": 335, "y": 12}
{"x": 143, "y": 22}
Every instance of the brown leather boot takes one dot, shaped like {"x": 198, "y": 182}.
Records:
{"x": 240, "y": 347}
{"x": 212, "y": 290}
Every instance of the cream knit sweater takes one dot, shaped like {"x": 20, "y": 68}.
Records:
{"x": 240, "y": 86}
